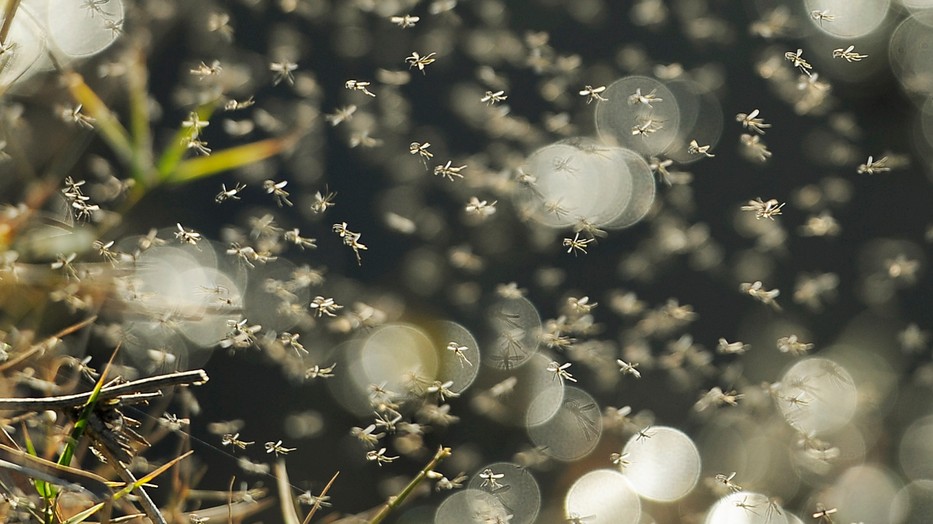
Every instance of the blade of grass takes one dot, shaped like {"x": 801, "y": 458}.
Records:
{"x": 88, "y": 513}
{"x": 70, "y": 478}
{"x": 173, "y": 154}
{"x": 42, "y": 488}
{"x": 232, "y": 158}
{"x": 140, "y": 119}
{"x": 286, "y": 505}
{"x": 78, "y": 431}
{"x": 106, "y": 123}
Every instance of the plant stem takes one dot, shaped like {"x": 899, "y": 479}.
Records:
{"x": 397, "y": 500}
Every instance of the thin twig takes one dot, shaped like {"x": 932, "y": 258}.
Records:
{"x": 11, "y": 7}
{"x": 126, "y": 389}
{"x": 317, "y": 505}
{"x": 36, "y": 348}
{"x": 397, "y": 500}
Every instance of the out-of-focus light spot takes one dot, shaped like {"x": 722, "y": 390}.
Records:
{"x": 270, "y": 297}
{"x": 746, "y": 507}
{"x": 532, "y": 398}
{"x": 581, "y": 179}
{"x": 916, "y": 450}
{"x": 849, "y": 18}
{"x": 514, "y": 324}
{"x": 909, "y": 53}
{"x": 573, "y": 431}
{"x": 78, "y": 31}
{"x": 603, "y": 496}
{"x": 862, "y": 494}
{"x": 470, "y": 506}
{"x": 458, "y": 353}
{"x": 664, "y": 463}
{"x": 512, "y": 486}
{"x": 913, "y": 503}
{"x": 648, "y": 125}
{"x": 394, "y": 356}
{"x": 700, "y": 119}
{"x": 816, "y": 396}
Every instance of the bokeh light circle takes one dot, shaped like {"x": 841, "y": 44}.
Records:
{"x": 745, "y": 507}
{"x": 581, "y": 179}
{"x": 603, "y": 496}
{"x": 463, "y": 369}
{"x": 532, "y": 398}
{"x": 850, "y": 18}
{"x": 619, "y": 118}
{"x": 909, "y": 53}
{"x": 469, "y": 507}
{"x": 392, "y": 355}
{"x": 701, "y": 119}
{"x": 514, "y": 326}
{"x": 664, "y": 463}
{"x": 517, "y": 490}
{"x": 916, "y": 450}
{"x": 913, "y": 504}
{"x": 574, "y": 429}
{"x": 80, "y": 31}
{"x": 863, "y": 493}
{"x": 817, "y": 396}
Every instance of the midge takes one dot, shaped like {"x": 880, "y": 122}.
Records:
{"x": 416, "y": 60}
{"x": 593, "y": 93}
{"x": 752, "y": 122}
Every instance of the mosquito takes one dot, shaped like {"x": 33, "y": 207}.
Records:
{"x": 416, "y": 60}
{"x": 848, "y": 54}
{"x": 726, "y": 480}
{"x": 872, "y": 166}
{"x": 797, "y": 60}
{"x": 491, "y": 98}
{"x": 822, "y": 16}
{"x": 593, "y": 93}
{"x": 752, "y": 122}
{"x": 644, "y": 99}
{"x": 628, "y": 369}
{"x": 405, "y": 21}
{"x": 560, "y": 371}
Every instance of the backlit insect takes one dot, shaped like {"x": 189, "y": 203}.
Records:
{"x": 357, "y": 85}
{"x": 644, "y": 434}
{"x": 822, "y": 16}
{"x": 697, "y": 149}
{"x": 491, "y": 481}
{"x": 405, "y": 21}
{"x": 234, "y": 440}
{"x": 593, "y": 93}
{"x": 727, "y": 482}
{"x": 752, "y": 122}
{"x": 628, "y": 369}
{"x": 848, "y": 54}
{"x": 491, "y": 98}
{"x": 416, "y": 60}
{"x": 417, "y": 148}
{"x": 823, "y": 514}
{"x": 872, "y": 166}
{"x": 644, "y": 99}
{"x": 560, "y": 371}
{"x": 797, "y": 60}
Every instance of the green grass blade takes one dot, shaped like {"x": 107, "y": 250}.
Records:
{"x": 232, "y": 158}
{"x": 106, "y": 123}
{"x": 175, "y": 151}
